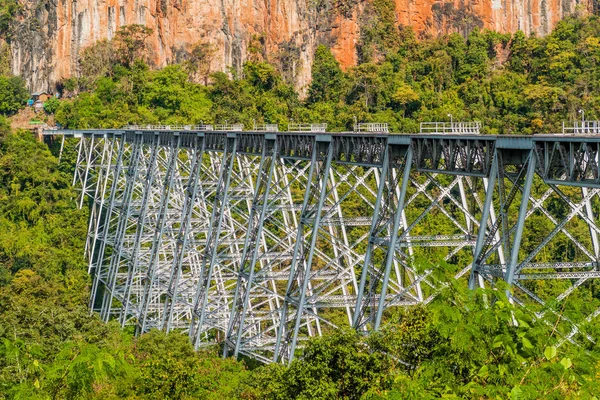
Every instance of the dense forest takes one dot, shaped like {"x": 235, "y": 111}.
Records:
{"x": 459, "y": 346}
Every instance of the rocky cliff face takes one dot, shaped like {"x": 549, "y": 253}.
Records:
{"x": 49, "y": 34}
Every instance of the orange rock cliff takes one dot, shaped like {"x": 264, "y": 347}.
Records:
{"x": 49, "y": 35}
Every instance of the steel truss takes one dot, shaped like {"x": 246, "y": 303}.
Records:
{"x": 260, "y": 240}
{"x": 527, "y": 205}
{"x": 322, "y": 282}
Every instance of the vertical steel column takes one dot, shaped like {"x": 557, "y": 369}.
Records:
{"x": 96, "y": 264}
{"x": 299, "y": 240}
{"x": 261, "y": 318}
{"x": 514, "y": 256}
{"x": 158, "y": 233}
{"x": 483, "y": 223}
{"x": 388, "y": 220}
{"x": 393, "y": 238}
{"x": 406, "y": 236}
{"x": 210, "y": 254}
{"x": 372, "y": 237}
{"x": 241, "y": 298}
{"x": 590, "y": 214}
{"x": 81, "y": 156}
{"x": 62, "y": 146}
{"x": 134, "y": 260}
{"x": 301, "y": 273}
{"x": 123, "y": 218}
{"x": 497, "y": 238}
{"x": 184, "y": 234}
{"x": 99, "y": 197}
{"x": 87, "y": 171}
{"x": 344, "y": 251}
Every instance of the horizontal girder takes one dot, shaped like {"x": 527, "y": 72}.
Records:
{"x": 563, "y": 159}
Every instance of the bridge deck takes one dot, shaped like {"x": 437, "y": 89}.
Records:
{"x": 503, "y": 141}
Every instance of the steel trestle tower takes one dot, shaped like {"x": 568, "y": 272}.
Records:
{"x": 260, "y": 240}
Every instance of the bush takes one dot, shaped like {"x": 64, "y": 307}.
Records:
{"x": 13, "y": 94}
{"x": 51, "y": 105}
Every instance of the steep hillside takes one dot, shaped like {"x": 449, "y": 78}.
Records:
{"x": 47, "y": 36}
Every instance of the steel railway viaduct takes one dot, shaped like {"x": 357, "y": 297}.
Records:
{"x": 260, "y": 239}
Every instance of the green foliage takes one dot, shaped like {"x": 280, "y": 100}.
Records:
{"x": 460, "y": 346}
{"x": 13, "y": 94}
{"x": 328, "y": 81}
{"x": 130, "y": 43}
{"x": 198, "y": 63}
{"x": 5, "y": 58}
{"x": 475, "y": 350}
{"x": 51, "y": 105}
{"x": 379, "y": 33}
{"x": 336, "y": 366}
{"x": 95, "y": 62}
{"x": 50, "y": 346}
{"x": 8, "y": 10}
{"x": 170, "y": 368}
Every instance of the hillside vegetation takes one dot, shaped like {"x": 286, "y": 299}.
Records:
{"x": 459, "y": 346}
{"x": 512, "y": 84}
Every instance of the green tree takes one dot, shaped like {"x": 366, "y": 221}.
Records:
{"x": 8, "y": 10}
{"x": 476, "y": 58}
{"x": 405, "y": 96}
{"x": 335, "y": 366}
{"x": 328, "y": 80}
{"x": 380, "y": 36}
{"x": 262, "y": 76}
{"x": 199, "y": 61}
{"x": 51, "y": 105}
{"x": 13, "y": 94}
{"x": 96, "y": 61}
{"x": 170, "y": 368}
{"x": 130, "y": 43}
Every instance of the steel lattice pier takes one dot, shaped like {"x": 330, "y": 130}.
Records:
{"x": 259, "y": 240}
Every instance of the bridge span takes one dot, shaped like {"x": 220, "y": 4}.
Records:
{"x": 260, "y": 240}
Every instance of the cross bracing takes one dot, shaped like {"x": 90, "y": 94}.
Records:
{"x": 260, "y": 240}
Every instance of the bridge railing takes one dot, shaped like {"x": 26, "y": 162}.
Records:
{"x": 229, "y": 127}
{"x": 372, "y": 127}
{"x": 471, "y": 128}
{"x": 148, "y": 127}
{"x": 266, "y": 127}
{"x": 294, "y": 127}
{"x": 198, "y": 128}
{"x": 581, "y": 127}
{"x": 169, "y": 127}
